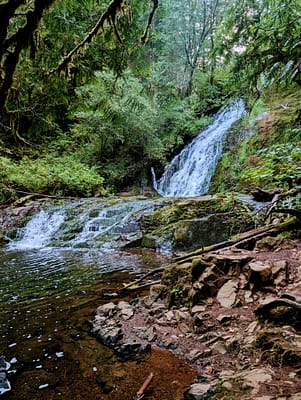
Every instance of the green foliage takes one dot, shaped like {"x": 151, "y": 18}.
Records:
{"x": 39, "y": 99}
{"x": 115, "y": 127}
{"x": 64, "y": 176}
{"x": 278, "y": 165}
{"x": 264, "y": 42}
{"x": 135, "y": 111}
{"x": 243, "y": 169}
{"x": 177, "y": 123}
{"x": 184, "y": 40}
{"x": 258, "y": 108}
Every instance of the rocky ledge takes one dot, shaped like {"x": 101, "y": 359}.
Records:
{"x": 234, "y": 314}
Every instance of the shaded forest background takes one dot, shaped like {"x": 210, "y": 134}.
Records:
{"x": 95, "y": 93}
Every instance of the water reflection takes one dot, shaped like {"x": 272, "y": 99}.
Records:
{"x": 47, "y": 296}
{"x": 32, "y": 275}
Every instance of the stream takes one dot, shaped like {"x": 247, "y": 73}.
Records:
{"x": 55, "y": 272}
{"x": 58, "y": 268}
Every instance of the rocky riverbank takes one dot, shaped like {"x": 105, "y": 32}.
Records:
{"x": 233, "y": 314}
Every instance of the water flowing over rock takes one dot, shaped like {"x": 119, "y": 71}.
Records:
{"x": 190, "y": 172}
{"x": 39, "y": 230}
{"x": 83, "y": 224}
{"x": 4, "y": 382}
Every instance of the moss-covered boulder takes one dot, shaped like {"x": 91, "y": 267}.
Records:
{"x": 191, "y": 223}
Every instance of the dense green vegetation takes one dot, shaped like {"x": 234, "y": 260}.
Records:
{"x": 92, "y": 94}
{"x": 268, "y": 153}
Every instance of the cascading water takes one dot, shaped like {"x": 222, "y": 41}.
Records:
{"x": 52, "y": 276}
{"x": 190, "y": 172}
{"x": 39, "y": 230}
{"x": 94, "y": 224}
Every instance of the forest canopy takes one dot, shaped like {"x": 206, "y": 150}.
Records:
{"x": 120, "y": 86}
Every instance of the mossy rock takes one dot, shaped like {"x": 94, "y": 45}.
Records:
{"x": 185, "y": 209}
{"x": 202, "y": 232}
{"x": 192, "y": 223}
{"x": 148, "y": 242}
{"x": 176, "y": 278}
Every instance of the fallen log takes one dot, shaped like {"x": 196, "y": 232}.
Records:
{"x": 150, "y": 273}
{"x": 243, "y": 238}
{"x": 33, "y": 194}
{"x": 145, "y": 285}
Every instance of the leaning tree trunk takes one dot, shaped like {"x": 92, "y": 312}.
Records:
{"x": 12, "y": 45}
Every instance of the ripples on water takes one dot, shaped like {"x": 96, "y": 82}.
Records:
{"x": 30, "y": 275}
{"x": 49, "y": 294}
{"x": 46, "y": 296}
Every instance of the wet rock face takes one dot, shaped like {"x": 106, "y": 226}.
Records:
{"x": 187, "y": 224}
{"x": 202, "y": 232}
{"x": 12, "y": 217}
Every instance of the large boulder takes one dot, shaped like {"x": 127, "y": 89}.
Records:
{"x": 187, "y": 224}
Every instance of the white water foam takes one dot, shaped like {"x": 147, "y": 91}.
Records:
{"x": 190, "y": 172}
{"x": 38, "y": 232}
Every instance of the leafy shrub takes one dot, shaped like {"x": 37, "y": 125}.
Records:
{"x": 278, "y": 165}
{"x": 177, "y": 123}
{"x": 51, "y": 174}
{"x": 113, "y": 114}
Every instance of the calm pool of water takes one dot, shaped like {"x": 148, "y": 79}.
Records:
{"x": 47, "y": 297}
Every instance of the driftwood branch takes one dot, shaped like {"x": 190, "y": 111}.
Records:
{"x": 109, "y": 17}
{"x": 143, "y": 388}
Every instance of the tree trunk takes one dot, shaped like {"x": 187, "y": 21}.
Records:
{"x": 11, "y": 46}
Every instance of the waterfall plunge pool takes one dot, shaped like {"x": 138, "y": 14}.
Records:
{"x": 48, "y": 295}
{"x": 53, "y": 274}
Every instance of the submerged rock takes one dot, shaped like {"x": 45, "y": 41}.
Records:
{"x": 4, "y": 382}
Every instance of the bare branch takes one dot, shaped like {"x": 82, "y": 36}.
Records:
{"x": 144, "y": 37}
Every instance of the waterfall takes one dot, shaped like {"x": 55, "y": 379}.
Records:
{"x": 82, "y": 224}
{"x": 190, "y": 172}
{"x": 38, "y": 231}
